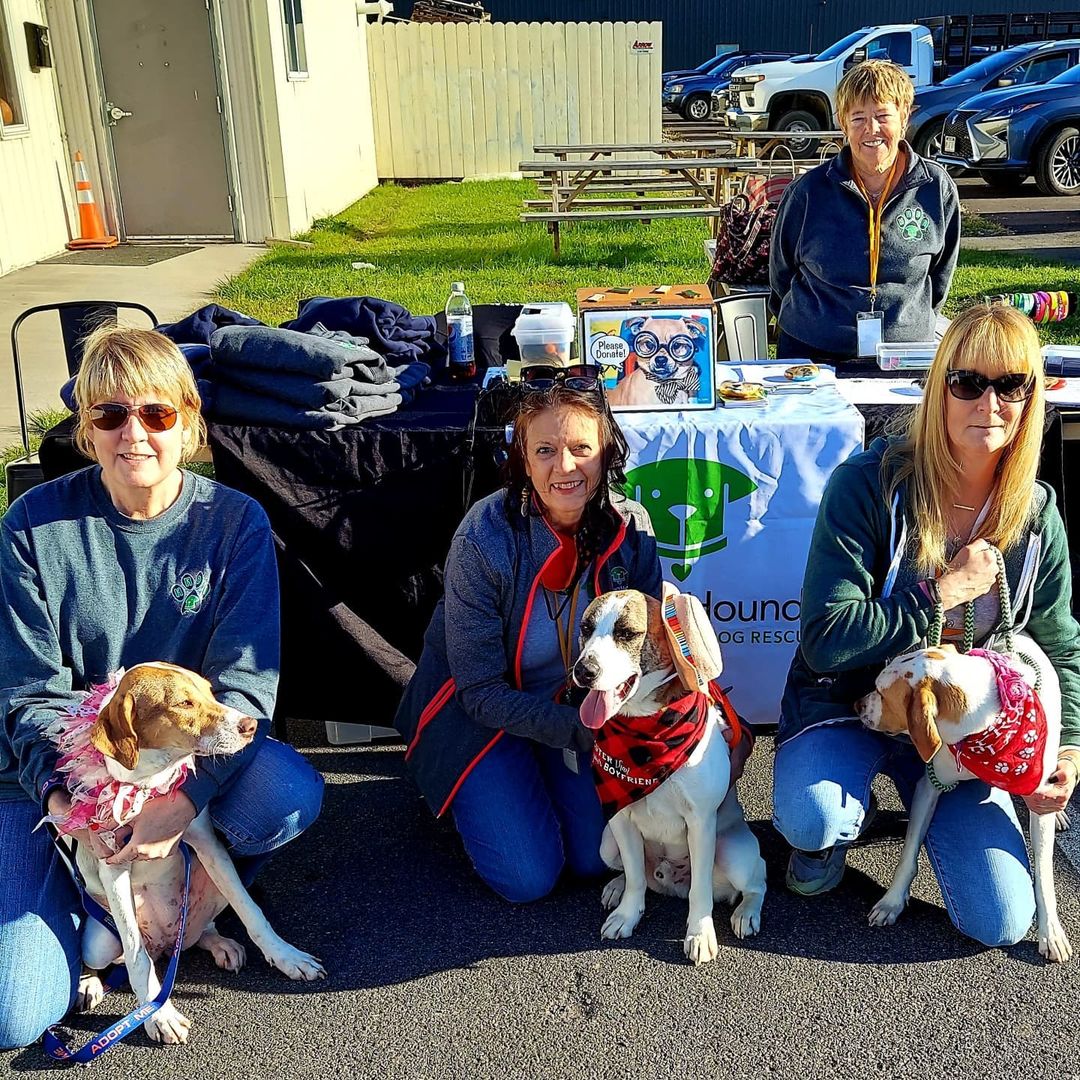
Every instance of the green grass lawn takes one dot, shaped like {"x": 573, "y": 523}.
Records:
{"x": 420, "y": 239}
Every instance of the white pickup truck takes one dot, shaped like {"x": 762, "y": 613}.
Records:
{"x": 800, "y": 94}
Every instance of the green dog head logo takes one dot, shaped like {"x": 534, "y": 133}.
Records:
{"x": 685, "y": 498}
{"x": 913, "y": 223}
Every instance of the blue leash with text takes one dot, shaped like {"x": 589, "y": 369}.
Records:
{"x": 56, "y": 1048}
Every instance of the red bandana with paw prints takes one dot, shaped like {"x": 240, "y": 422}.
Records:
{"x": 1009, "y": 753}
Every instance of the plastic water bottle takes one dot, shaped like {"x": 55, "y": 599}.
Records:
{"x": 459, "y": 335}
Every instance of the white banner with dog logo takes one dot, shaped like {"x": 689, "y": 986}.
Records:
{"x": 733, "y": 495}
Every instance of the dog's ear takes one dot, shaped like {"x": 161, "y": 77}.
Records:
{"x": 922, "y": 719}
{"x": 114, "y": 731}
{"x": 695, "y": 328}
{"x": 631, "y": 327}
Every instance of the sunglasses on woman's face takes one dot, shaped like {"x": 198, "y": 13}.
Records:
{"x": 112, "y": 415}
{"x": 574, "y": 377}
{"x": 970, "y": 385}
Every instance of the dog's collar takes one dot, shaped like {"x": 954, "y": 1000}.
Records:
{"x": 1009, "y": 753}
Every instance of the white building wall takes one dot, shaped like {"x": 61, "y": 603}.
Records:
{"x": 324, "y": 119}
{"x": 36, "y": 190}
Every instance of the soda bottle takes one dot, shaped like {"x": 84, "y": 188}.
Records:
{"x": 461, "y": 362}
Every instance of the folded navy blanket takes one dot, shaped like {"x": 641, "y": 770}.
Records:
{"x": 198, "y": 356}
{"x": 268, "y": 350}
{"x": 233, "y": 404}
{"x": 200, "y": 325}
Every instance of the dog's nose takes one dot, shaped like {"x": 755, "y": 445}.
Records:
{"x": 246, "y": 727}
{"x": 586, "y": 671}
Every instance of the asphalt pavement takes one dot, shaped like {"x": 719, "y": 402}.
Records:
{"x": 433, "y": 976}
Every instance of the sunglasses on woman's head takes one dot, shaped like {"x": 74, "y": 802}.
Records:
{"x": 574, "y": 377}
{"x": 970, "y": 385}
{"x": 112, "y": 415}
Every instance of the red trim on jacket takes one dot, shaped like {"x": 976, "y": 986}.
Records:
{"x": 430, "y": 710}
{"x": 464, "y": 776}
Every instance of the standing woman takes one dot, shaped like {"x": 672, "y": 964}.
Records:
{"x": 133, "y": 559}
{"x": 489, "y": 738}
{"x": 865, "y": 244}
{"x": 904, "y": 531}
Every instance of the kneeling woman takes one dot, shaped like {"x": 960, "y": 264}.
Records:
{"x": 488, "y": 736}
{"x": 904, "y": 530}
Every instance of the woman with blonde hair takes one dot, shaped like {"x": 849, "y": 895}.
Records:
{"x": 130, "y": 560}
{"x": 903, "y": 535}
{"x": 865, "y": 244}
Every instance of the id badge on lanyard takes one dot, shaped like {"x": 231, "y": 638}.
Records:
{"x": 869, "y": 324}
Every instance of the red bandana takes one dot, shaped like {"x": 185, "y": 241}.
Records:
{"x": 634, "y": 755}
{"x": 1009, "y": 754}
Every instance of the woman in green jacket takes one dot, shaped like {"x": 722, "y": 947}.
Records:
{"x": 904, "y": 525}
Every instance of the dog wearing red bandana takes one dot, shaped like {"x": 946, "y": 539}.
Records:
{"x": 662, "y": 765}
{"x": 974, "y": 715}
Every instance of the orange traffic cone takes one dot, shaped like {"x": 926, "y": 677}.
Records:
{"x": 91, "y": 226}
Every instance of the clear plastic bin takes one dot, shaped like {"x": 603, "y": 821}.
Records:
{"x": 345, "y": 734}
{"x": 905, "y": 355}
{"x": 544, "y": 334}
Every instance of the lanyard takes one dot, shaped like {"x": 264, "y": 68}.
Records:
{"x": 564, "y": 627}
{"x": 875, "y": 225}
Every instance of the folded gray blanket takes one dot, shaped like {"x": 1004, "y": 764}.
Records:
{"x": 270, "y": 350}
{"x": 236, "y": 405}
{"x": 302, "y": 390}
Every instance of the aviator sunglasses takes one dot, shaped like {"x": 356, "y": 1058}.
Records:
{"x": 970, "y": 385}
{"x": 574, "y": 377}
{"x": 111, "y": 415}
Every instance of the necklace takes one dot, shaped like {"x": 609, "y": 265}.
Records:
{"x": 961, "y": 506}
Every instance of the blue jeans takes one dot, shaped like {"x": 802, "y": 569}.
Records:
{"x": 276, "y": 797}
{"x": 821, "y": 788}
{"x": 524, "y": 816}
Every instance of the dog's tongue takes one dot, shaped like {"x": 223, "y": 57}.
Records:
{"x": 598, "y": 708}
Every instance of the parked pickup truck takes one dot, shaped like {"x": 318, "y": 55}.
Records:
{"x": 801, "y": 95}
{"x": 1007, "y": 135}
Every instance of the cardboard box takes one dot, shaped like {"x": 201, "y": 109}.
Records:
{"x": 656, "y": 344}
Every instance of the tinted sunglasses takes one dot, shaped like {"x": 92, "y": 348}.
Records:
{"x": 111, "y": 415}
{"x": 574, "y": 377}
{"x": 970, "y": 385}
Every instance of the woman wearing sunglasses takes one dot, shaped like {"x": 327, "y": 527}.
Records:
{"x": 904, "y": 532}
{"x": 490, "y": 739}
{"x": 131, "y": 560}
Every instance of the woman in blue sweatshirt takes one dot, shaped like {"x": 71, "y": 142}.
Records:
{"x": 904, "y": 531}
{"x": 128, "y": 561}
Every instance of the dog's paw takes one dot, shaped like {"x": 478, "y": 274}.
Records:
{"x": 746, "y": 918}
{"x": 622, "y": 922}
{"x": 1062, "y": 821}
{"x": 91, "y": 991}
{"x": 612, "y": 892}
{"x": 700, "y": 944}
{"x": 168, "y": 1025}
{"x": 887, "y": 910}
{"x": 295, "y": 963}
{"x": 1053, "y": 943}
{"x": 229, "y": 955}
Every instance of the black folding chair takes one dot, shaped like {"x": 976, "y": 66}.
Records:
{"x": 77, "y": 319}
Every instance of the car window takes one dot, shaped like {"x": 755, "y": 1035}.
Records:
{"x": 1039, "y": 69}
{"x": 983, "y": 69}
{"x": 895, "y": 47}
{"x": 845, "y": 43}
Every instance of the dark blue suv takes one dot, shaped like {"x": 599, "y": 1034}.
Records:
{"x": 691, "y": 95}
{"x": 1022, "y": 65}
{"x": 1010, "y": 134}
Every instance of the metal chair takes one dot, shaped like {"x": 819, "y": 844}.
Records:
{"x": 744, "y": 321}
{"x": 77, "y": 319}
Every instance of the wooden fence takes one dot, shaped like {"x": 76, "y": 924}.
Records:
{"x": 472, "y": 99}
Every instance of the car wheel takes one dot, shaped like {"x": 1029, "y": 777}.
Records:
{"x": 1007, "y": 183}
{"x": 800, "y": 120}
{"x": 1057, "y": 171}
{"x": 697, "y": 107}
{"x": 927, "y": 141}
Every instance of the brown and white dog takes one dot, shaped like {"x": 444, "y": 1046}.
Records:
{"x": 940, "y": 697}
{"x": 158, "y": 719}
{"x": 688, "y": 836}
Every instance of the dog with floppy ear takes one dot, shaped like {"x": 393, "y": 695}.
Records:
{"x": 122, "y": 748}
{"x": 953, "y": 708}
{"x": 662, "y": 765}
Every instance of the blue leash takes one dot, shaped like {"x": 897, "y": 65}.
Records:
{"x": 55, "y": 1047}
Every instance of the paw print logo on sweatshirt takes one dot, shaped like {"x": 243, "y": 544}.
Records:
{"x": 190, "y": 591}
{"x": 913, "y": 223}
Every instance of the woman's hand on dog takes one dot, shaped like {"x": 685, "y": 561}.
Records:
{"x": 60, "y": 806}
{"x": 1054, "y": 795}
{"x": 157, "y": 830}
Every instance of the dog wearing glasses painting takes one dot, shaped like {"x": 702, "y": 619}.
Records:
{"x": 664, "y": 367}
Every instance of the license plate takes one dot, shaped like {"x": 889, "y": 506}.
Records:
{"x": 950, "y": 144}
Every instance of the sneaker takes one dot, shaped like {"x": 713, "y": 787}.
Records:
{"x": 810, "y": 873}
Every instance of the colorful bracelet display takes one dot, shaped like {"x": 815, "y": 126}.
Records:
{"x": 1041, "y": 307}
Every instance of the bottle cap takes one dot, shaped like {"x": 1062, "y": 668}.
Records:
{"x": 457, "y": 286}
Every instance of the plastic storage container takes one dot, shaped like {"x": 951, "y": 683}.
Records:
{"x": 905, "y": 355}
{"x": 1062, "y": 360}
{"x": 544, "y": 334}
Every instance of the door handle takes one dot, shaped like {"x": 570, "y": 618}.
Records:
{"x": 115, "y": 113}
